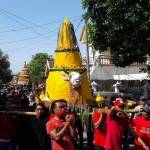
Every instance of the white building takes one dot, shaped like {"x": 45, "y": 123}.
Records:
{"x": 105, "y": 73}
{"x": 102, "y": 67}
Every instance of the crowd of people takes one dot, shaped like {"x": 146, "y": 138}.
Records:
{"x": 59, "y": 126}
{"x": 113, "y": 127}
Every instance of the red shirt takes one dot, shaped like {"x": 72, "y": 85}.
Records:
{"x": 100, "y": 132}
{"x": 51, "y": 116}
{"x": 142, "y": 129}
{"x": 6, "y": 128}
{"x": 66, "y": 142}
{"x": 115, "y": 129}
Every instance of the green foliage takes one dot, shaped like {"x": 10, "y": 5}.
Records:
{"x": 146, "y": 69}
{"x": 5, "y": 72}
{"x": 37, "y": 67}
{"x": 121, "y": 25}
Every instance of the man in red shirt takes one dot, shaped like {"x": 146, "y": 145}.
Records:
{"x": 6, "y": 128}
{"x": 116, "y": 124}
{"x": 99, "y": 121}
{"x": 61, "y": 127}
{"x": 142, "y": 129}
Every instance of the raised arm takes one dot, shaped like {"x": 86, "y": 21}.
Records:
{"x": 57, "y": 135}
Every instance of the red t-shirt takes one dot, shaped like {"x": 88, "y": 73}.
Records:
{"x": 142, "y": 129}
{"x": 100, "y": 132}
{"x": 6, "y": 128}
{"x": 51, "y": 116}
{"x": 66, "y": 142}
{"x": 115, "y": 129}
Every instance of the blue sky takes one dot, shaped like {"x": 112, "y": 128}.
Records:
{"x": 28, "y": 27}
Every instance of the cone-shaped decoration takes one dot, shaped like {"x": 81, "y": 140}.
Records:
{"x": 66, "y": 30}
{"x": 67, "y": 60}
{"x": 24, "y": 77}
{"x": 67, "y": 52}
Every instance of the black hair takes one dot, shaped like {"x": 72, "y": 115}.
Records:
{"x": 40, "y": 104}
{"x": 53, "y": 105}
{"x": 108, "y": 103}
{"x": 147, "y": 103}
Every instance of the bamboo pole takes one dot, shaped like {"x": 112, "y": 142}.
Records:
{"x": 33, "y": 113}
{"x": 17, "y": 113}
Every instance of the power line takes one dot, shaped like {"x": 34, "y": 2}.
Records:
{"x": 16, "y": 41}
{"x": 18, "y": 17}
{"x": 34, "y": 37}
{"x": 30, "y": 27}
{"x": 20, "y": 23}
{"x": 9, "y": 15}
{"x": 78, "y": 24}
{"x": 25, "y": 28}
{"x": 21, "y": 18}
{"x": 31, "y": 44}
{"x": 25, "y": 46}
{"x": 5, "y": 12}
{"x": 12, "y": 14}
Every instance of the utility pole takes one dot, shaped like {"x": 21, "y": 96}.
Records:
{"x": 87, "y": 51}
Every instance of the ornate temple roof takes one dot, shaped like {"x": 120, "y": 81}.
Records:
{"x": 24, "y": 76}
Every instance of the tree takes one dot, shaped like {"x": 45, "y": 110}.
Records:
{"x": 123, "y": 26}
{"x": 5, "y": 72}
{"x": 37, "y": 67}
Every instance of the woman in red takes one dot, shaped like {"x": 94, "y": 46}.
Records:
{"x": 61, "y": 127}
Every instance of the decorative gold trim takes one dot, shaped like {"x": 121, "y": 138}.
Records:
{"x": 67, "y": 70}
{"x": 68, "y": 50}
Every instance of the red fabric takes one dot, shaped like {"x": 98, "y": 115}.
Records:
{"x": 142, "y": 129}
{"x": 115, "y": 130}
{"x": 118, "y": 102}
{"x": 65, "y": 143}
{"x": 51, "y": 116}
{"x": 6, "y": 128}
{"x": 100, "y": 132}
